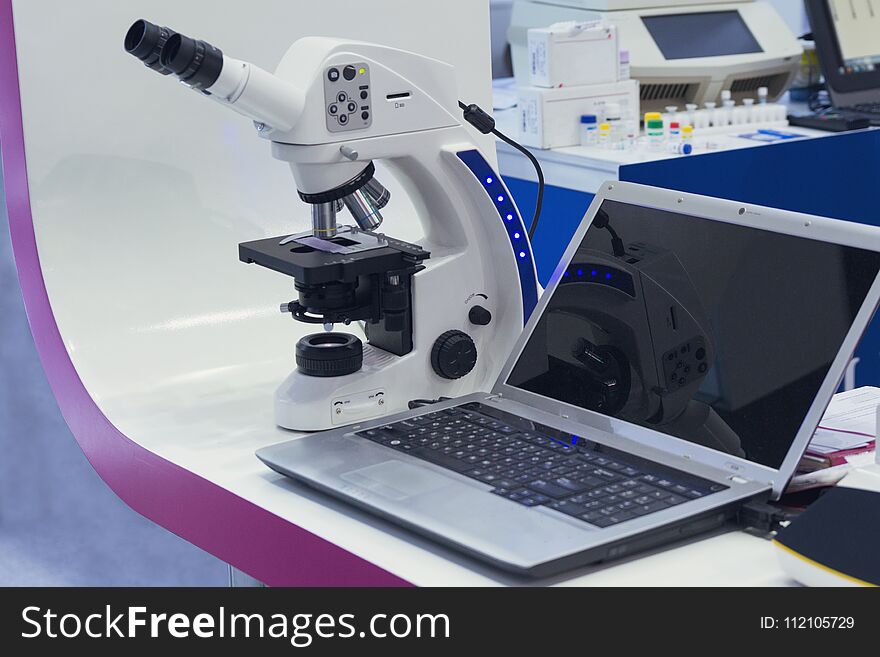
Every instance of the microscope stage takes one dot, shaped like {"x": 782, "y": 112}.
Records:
{"x": 300, "y": 259}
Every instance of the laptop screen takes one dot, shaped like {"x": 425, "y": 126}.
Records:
{"x": 715, "y": 333}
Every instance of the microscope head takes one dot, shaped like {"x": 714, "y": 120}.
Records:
{"x": 326, "y": 95}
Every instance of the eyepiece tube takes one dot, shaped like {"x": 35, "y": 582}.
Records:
{"x": 197, "y": 63}
{"x": 249, "y": 90}
{"x": 364, "y": 211}
{"x": 145, "y": 40}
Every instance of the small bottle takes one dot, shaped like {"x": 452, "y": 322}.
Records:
{"x": 690, "y": 108}
{"x": 654, "y": 129}
{"x": 589, "y": 130}
{"x": 651, "y": 116}
{"x": 727, "y": 104}
{"x": 749, "y": 107}
{"x": 604, "y": 135}
{"x": 623, "y": 69}
{"x": 679, "y": 148}
{"x": 687, "y": 135}
{"x": 613, "y": 118}
{"x": 763, "y": 93}
{"x": 675, "y": 131}
{"x": 631, "y": 137}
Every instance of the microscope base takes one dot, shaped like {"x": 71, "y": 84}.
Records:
{"x": 383, "y": 386}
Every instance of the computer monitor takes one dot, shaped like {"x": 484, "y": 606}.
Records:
{"x": 712, "y": 332}
{"x": 847, "y": 36}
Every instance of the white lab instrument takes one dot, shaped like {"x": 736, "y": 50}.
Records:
{"x": 549, "y": 118}
{"x": 557, "y": 54}
{"x": 441, "y": 315}
{"x": 675, "y": 51}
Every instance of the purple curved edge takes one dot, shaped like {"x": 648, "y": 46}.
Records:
{"x": 240, "y": 533}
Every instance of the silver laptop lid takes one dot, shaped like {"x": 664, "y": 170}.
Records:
{"x": 709, "y": 329}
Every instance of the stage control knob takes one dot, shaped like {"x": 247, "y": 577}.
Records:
{"x": 454, "y": 355}
{"x": 479, "y": 316}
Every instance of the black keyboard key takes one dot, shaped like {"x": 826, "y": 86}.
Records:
{"x": 443, "y": 460}
{"x": 591, "y": 482}
{"x": 650, "y": 508}
{"x": 607, "y": 475}
{"x": 570, "y": 484}
{"x": 622, "y": 516}
{"x": 601, "y": 522}
{"x": 568, "y": 508}
{"x": 549, "y": 489}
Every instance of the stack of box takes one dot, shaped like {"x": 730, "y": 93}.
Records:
{"x": 575, "y": 70}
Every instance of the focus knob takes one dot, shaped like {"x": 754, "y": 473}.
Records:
{"x": 454, "y": 355}
{"x": 479, "y": 316}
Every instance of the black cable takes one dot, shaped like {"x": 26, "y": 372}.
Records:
{"x": 478, "y": 118}
{"x": 602, "y": 220}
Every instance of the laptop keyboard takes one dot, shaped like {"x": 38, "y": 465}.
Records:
{"x": 535, "y": 465}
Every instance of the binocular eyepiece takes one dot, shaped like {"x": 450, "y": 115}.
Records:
{"x": 197, "y": 63}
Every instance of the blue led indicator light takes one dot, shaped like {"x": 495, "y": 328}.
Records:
{"x": 510, "y": 217}
{"x": 500, "y": 199}
{"x": 565, "y": 275}
{"x": 516, "y": 236}
{"x": 593, "y": 273}
{"x": 489, "y": 180}
{"x": 522, "y": 254}
{"x": 608, "y": 276}
{"x": 580, "y": 272}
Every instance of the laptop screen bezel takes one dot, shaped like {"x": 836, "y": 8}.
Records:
{"x": 732, "y": 212}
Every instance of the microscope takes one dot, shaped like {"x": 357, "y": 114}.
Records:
{"x": 440, "y": 316}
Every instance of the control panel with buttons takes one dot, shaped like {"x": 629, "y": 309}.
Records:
{"x": 347, "y": 95}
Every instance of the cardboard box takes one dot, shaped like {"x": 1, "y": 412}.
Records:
{"x": 550, "y": 118}
{"x": 571, "y": 54}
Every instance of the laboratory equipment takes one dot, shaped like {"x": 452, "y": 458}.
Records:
{"x": 681, "y": 52}
{"x": 849, "y": 54}
{"x": 549, "y": 118}
{"x": 557, "y": 53}
{"x": 436, "y": 313}
{"x": 606, "y": 389}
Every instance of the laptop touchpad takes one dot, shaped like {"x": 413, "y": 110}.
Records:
{"x": 396, "y": 480}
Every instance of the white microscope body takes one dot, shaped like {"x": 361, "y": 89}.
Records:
{"x": 330, "y": 110}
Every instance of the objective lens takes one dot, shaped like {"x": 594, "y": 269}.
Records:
{"x": 145, "y": 40}
{"x": 195, "y": 62}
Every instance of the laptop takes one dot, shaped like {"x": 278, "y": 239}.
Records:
{"x": 847, "y": 37}
{"x": 674, "y": 369}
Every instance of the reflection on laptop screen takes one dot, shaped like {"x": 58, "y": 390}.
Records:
{"x": 715, "y": 333}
